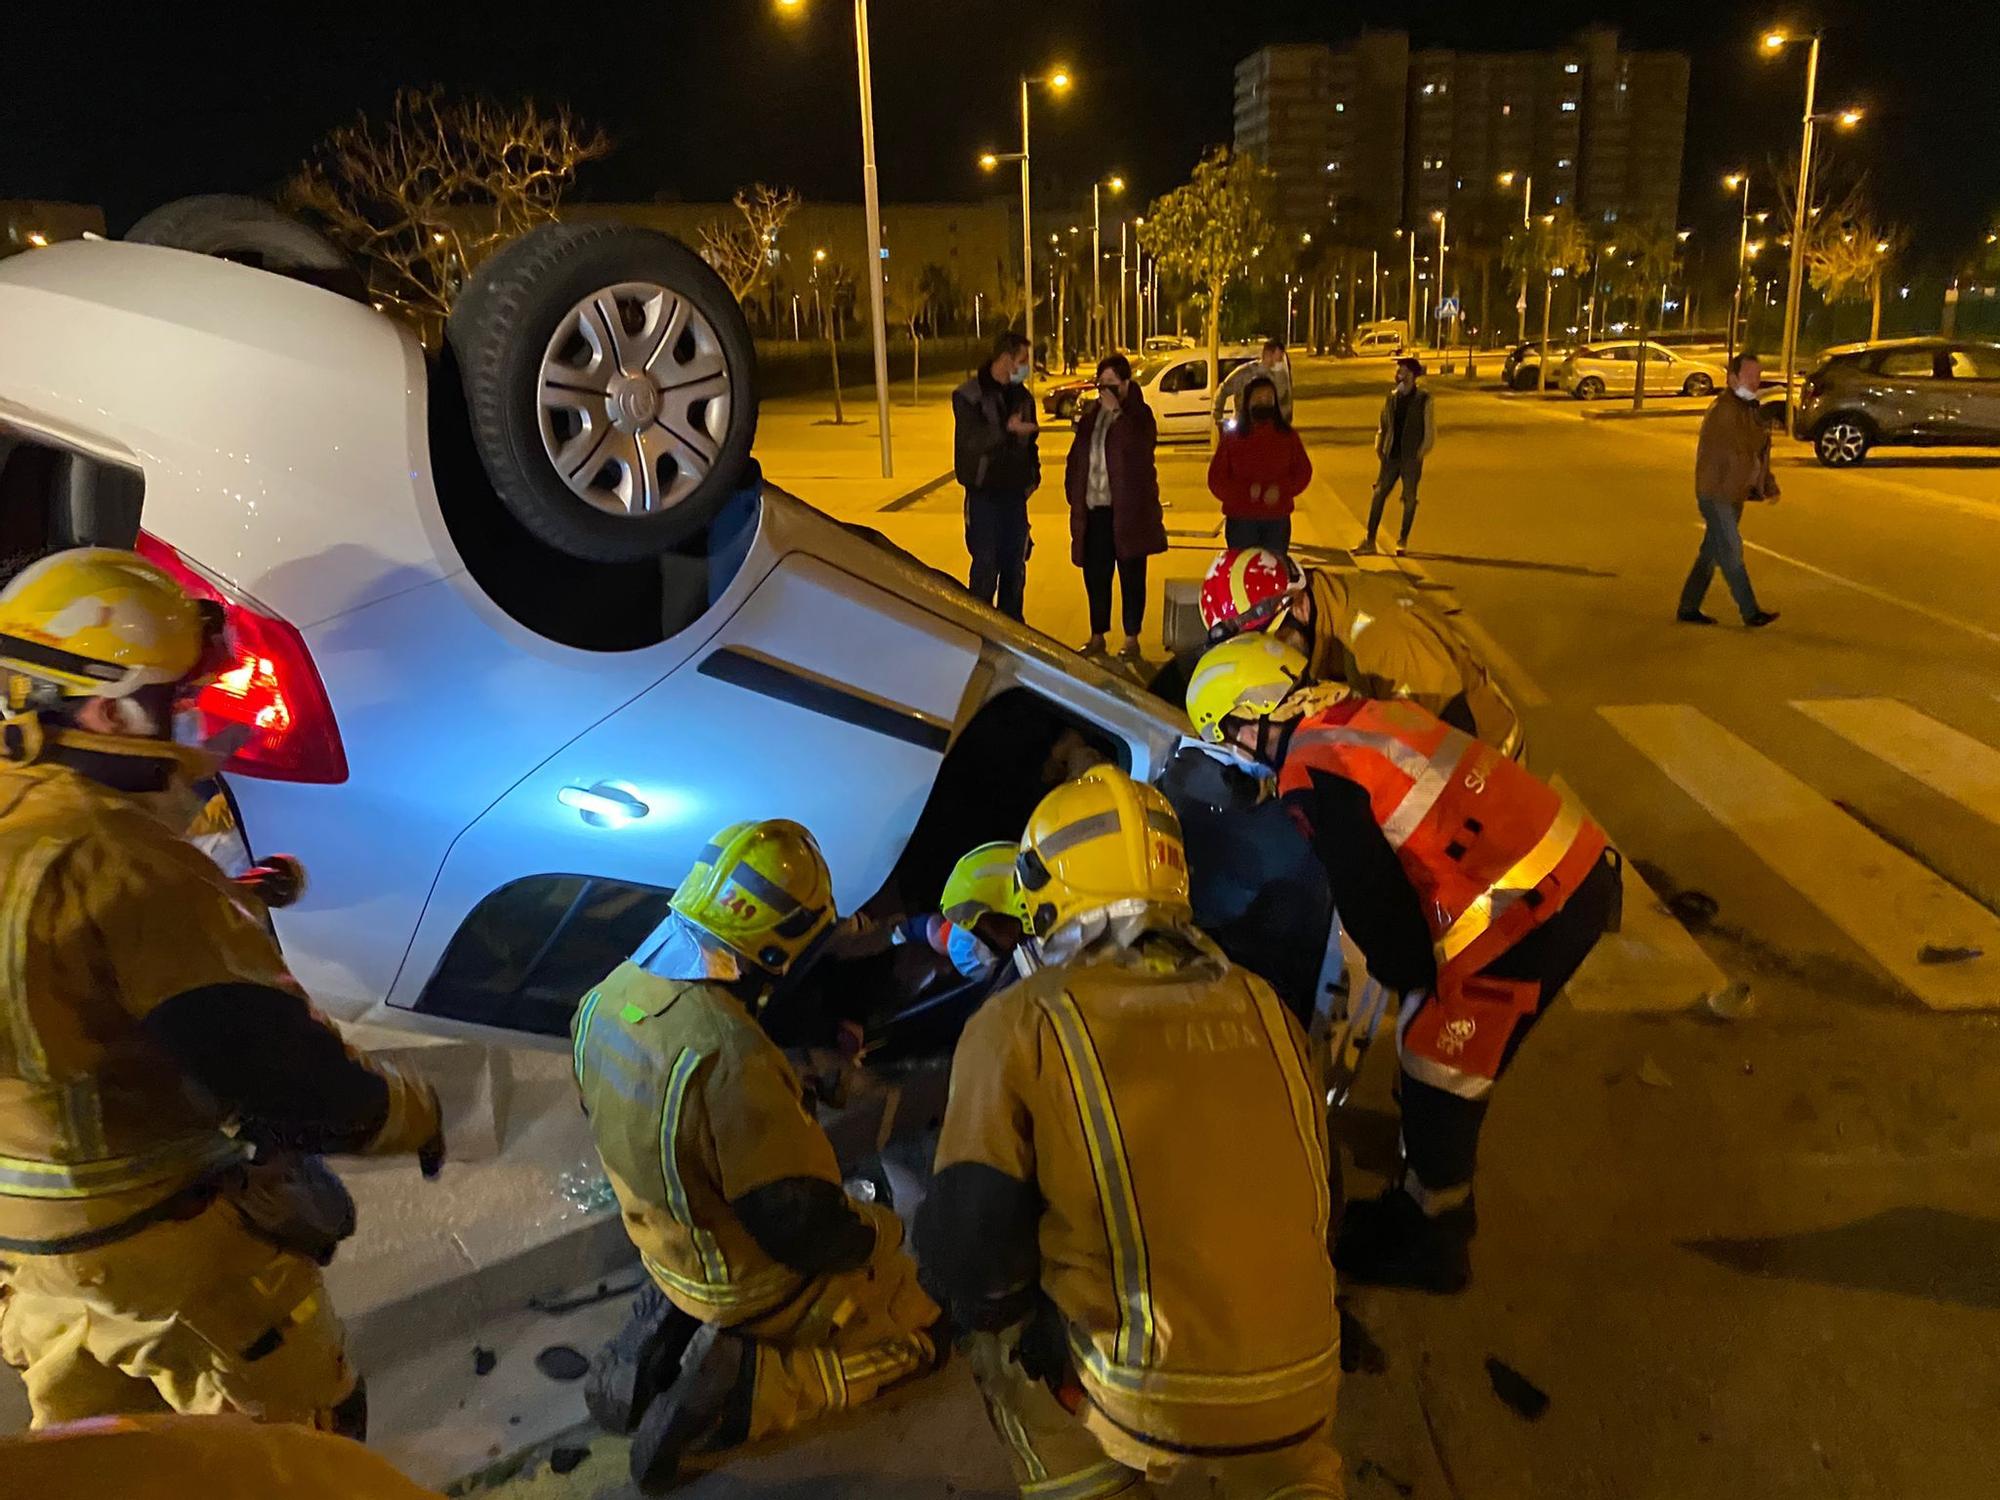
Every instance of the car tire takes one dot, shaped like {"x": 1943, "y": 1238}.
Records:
{"x": 1698, "y": 385}
{"x": 1840, "y": 442}
{"x": 611, "y": 384}
{"x": 1065, "y": 408}
{"x": 1588, "y": 389}
{"x": 252, "y": 232}
{"x": 1525, "y": 377}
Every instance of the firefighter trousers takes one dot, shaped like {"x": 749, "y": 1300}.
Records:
{"x": 1060, "y": 1456}
{"x": 194, "y": 1315}
{"x": 840, "y": 1341}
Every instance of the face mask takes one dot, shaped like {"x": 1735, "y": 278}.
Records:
{"x": 1745, "y": 392}
{"x": 968, "y": 954}
{"x": 1020, "y": 374}
{"x": 1262, "y": 413}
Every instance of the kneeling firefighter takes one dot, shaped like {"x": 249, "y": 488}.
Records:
{"x": 775, "y": 1298}
{"x": 1145, "y": 1283}
{"x": 1364, "y": 630}
{"x": 1471, "y": 888}
{"x": 151, "y": 1033}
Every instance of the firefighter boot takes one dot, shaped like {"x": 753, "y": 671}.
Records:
{"x": 1390, "y": 1241}
{"x": 639, "y": 1362}
{"x": 717, "y": 1367}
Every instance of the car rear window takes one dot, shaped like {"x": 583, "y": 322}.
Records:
{"x": 1907, "y": 364}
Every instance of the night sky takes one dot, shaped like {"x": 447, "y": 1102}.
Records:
{"x": 129, "y": 111}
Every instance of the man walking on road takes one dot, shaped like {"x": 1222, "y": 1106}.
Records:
{"x": 994, "y": 457}
{"x": 1732, "y": 465}
{"x": 1402, "y": 441}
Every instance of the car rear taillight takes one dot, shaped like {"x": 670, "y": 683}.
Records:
{"x": 268, "y": 687}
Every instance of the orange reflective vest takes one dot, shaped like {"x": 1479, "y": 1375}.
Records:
{"x": 1492, "y": 852}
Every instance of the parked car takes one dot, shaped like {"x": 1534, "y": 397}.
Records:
{"x": 1613, "y": 368}
{"x": 493, "y": 755}
{"x": 1061, "y": 394}
{"x": 1177, "y": 388}
{"x": 1521, "y": 369}
{"x": 1380, "y": 340}
{"x": 1901, "y": 391}
{"x": 1167, "y": 343}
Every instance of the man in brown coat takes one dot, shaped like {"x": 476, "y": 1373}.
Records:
{"x": 1732, "y": 465}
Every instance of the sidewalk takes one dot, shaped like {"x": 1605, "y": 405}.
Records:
{"x": 838, "y": 469}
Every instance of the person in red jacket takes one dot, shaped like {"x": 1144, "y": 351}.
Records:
{"x": 1257, "y": 472}
{"x": 1114, "y": 501}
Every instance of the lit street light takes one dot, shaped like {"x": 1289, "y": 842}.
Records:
{"x": 1527, "y": 220}
{"x": 1437, "y": 218}
{"x": 1739, "y": 182}
{"x": 1098, "y": 327}
{"x": 871, "y": 201}
{"x": 1775, "y": 42}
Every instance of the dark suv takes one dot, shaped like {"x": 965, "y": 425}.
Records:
{"x": 1902, "y": 391}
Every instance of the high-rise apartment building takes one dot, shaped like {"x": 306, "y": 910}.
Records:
{"x": 1397, "y": 134}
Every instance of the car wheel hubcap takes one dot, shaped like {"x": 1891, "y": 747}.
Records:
{"x": 634, "y": 398}
{"x": 1844, "y": 443}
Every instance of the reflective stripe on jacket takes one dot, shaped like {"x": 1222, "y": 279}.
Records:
{"x": 1157, "y": 1103}
{"x": 692, "y": 1107}
{"x": 1491, "y": 851}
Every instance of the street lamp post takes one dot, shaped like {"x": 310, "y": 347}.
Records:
{"x": 1375, "y": 286}
{"x": 1739, "y": 180}
{"x": 1057, "y": 80}
{"x": 1411, "y": 312}
{"x": 1527, "y": 220}
{"x": 1437, "y": 218}
{"x": 1775, "y": 42}
{"x": 1099, "y": 327}
{"x": 872, "y": 207}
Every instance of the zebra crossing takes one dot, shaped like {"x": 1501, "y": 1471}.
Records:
{"x": 1938, "y": 942}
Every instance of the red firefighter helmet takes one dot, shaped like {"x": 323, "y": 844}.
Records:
{"x": 1247, "y": 588}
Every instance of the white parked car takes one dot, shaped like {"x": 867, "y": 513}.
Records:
{"x": 496, "y": 756}
{"x": 1613, "y": 369}
{"x": 1177, "y": 388}
{"x": 1168, "y": 343}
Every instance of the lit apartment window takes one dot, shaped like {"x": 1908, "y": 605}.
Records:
{"x": 1506, "y": 109}
{"x": 1569, "y": 67}
{"x": 1562, "y": 162}
{"x": 1569, "y": 106}
{"x": 1430, "y": 88}
{"x": 1340, "y": 106}
{"x": 1559, "y": 199}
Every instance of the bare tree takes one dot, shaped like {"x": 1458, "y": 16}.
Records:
{"x": 743, "y": 254}
{"x": 423, "y": 194}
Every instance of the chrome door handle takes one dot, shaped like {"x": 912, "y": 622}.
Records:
{"x": 607, "y": 804}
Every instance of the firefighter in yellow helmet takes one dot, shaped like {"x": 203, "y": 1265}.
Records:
{"x": 1144, "y": 1293}
{"x": 198, "y": 1458}
{"x": 151, "y": 1034}
{"x": 1473, "y": 890}
{"x": 774, "y": 1298}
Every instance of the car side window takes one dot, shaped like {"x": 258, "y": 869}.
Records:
{"x": 1975, "y": 364}
{"x": 1908, "y": 364}
{"x": 1192, "y": 376}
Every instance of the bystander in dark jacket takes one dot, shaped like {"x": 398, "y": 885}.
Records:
{"x": 994, "y": 456}
{"x": 1113, "y": 488}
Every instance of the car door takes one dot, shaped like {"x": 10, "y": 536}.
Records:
{"x": 823, "y": 698}
{"x": 1665, "y": 370}
{"x": 1183, "y": 405}
{"x": 1908, "y": 395}
{"x": 1975, "y": 379}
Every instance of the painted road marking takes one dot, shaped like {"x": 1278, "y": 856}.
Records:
{"x": 1937, "y": 616}
{"x": 1947, "y": 761}
{"x": 1888, "y": 903}
{"x": 1652, "y": 963}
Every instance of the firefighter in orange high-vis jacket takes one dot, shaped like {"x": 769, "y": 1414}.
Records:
{"x": 149, "y": 1033}
{"x": 774, "y": 1298}
{"x": 1130, "y": 1209}
{"x": 1472, "y": 889}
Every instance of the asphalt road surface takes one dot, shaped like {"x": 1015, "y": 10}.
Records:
{"x": 1740, "y": 1212}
